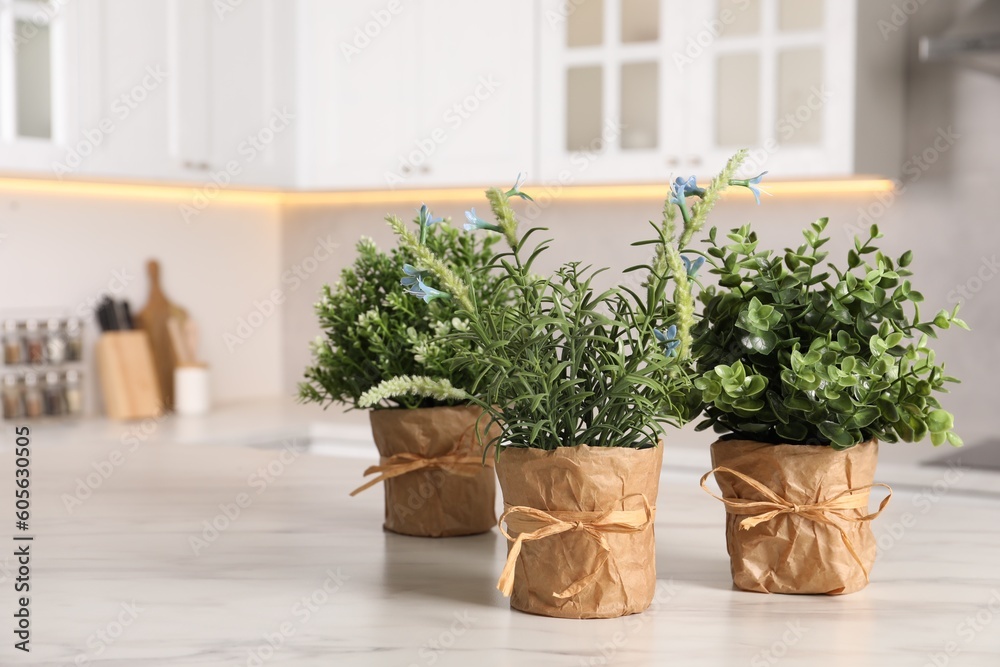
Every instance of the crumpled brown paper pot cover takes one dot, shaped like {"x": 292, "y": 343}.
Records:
{"x": 612, "y": 583}
{"x": 434, "y": 501}
{"x": 791, "y": 553}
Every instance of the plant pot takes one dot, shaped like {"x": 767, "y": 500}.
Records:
{"x": 808, "y": 531}
{"x": 436, "y": 484}
{"x": 579, "y": 497}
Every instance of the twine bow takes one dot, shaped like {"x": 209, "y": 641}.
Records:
{"x": 535, "y": 524}
{"x": 455, "y": 462}
{"x": 760, "y": 511}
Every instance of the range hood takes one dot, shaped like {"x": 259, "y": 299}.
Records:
{"x": 973, "y": 41}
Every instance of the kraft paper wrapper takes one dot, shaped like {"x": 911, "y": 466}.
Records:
{"x": 589, "y": 479}
{"x": 434, "y": 502}
{"x": 791, "y": 553}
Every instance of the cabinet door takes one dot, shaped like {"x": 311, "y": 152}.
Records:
{"x": 774, "y": 76}
{"x": 475, "y": 105}
{"x": 186, "y": 91}
{"x": 126, "y": 86}
{"x": 357, "y": 68}
{"x": 250, "y": 100}
{"x": 38, "y": 91}
{"x": 611, "y": 101}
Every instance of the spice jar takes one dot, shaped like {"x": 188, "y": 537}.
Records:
{"x": 55, "y": 342}
{"x": 55, "y": 402}
{"x": 34, "y": 405}
{"x": 33, "y": 343}
{"x": 73, "y": 393}
{"x": 74, "y": 340}
{"x": 11, "y": 343}
{"x": 12, "y": 406}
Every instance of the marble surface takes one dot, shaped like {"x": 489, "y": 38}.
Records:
{"x": 128, "y": 571}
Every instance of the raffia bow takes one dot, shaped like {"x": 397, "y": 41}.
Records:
{"x": 455, "y": 462}
{"x": 824, "y": 511}
{"x": 534, "y": 524}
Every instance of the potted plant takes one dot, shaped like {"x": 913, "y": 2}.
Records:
{"x": 380, "y": 350}
{"x": 580, "y": 383}
{"x": 805, "y": 366}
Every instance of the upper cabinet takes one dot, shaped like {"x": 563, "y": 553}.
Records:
{"x": 198, "y": 91}
{"x": 611, "y": 108}
{"x": 635, "y": 90}
{"x": 811, "y": 86}
{"x": 403, "y": 94}
{"x": 187, "y": 90}
{"x": 38, "y": 79}
{"x": 416, "y": 93}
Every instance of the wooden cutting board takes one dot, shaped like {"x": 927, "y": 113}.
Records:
{"x": 153, "y": 320}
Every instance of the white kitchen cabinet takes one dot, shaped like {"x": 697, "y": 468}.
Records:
{"x": 611, "y": 108}
{"x": 638, "y": 90}
{"x": 416, "y": 93}
{"x": 357, "y": 73}
{"x": 38, "y": 79}
{"x": 811, "y": 86}
{"x": 191, "y": 91}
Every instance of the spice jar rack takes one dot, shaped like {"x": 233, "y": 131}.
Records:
{"x": 42, "y": 372}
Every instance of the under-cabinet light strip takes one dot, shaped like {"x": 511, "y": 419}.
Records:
{"x": 202, "y": 195}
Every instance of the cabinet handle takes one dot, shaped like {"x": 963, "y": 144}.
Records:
{"x": 695, "y": 160}
{"x": 197, "y": 166}
{"x": 405, "y": 169}
{"x": 673, "y": 161}
{"x": 425, "y": 169}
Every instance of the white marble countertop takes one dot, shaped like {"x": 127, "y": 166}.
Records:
{"x": 126, "y": 572}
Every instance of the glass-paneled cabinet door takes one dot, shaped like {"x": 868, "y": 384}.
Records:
{"x": 774, "y": 76}
{"x": 607, "y": 111}
{"x": 35, "y": 95}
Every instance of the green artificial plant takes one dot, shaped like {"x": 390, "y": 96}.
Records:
{"x": 794, "y": 349}
{"x": 383, "y": 348}
{"x": 563, "y": 363}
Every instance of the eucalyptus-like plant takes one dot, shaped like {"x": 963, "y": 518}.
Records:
{"x": 383, "y": 348}
{"x": 564, "y": 363}
{"x": 795, "y": 350}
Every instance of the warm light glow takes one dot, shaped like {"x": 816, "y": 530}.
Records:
{"x": 182, "y": 194}
{"x": 191, "y": 194}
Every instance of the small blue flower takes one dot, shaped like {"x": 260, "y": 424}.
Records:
{"x": 691, "y": 267}
{"x": 474, "y": 223}
{"x": 412, "y": 277}
{"x": 669, "y": 339}
{"x": 423, "y": 291}
{"x": 752, "y": 184}
{"x": 516, "y": 190}
{"x": 426, "y": 218}
{"x": 683, "y": 188}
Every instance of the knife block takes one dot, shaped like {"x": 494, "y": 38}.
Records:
{"x": 128, "y": 376}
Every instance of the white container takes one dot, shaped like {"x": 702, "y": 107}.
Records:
{"x": 191, "y": 391}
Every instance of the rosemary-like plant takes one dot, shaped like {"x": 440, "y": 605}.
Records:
{"x": 561, "y": 363}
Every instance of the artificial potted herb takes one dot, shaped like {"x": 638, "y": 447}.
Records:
{"x": 381, "y": 350}
{"x": 805, "y": 366}
{"x": 580, "y": 383}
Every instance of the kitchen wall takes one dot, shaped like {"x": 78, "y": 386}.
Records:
{"x": 60, "y": 253}
{"x": 946, "y": 210}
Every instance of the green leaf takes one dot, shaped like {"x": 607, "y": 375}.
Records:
{"x": 864, "y": 417}
{"x": 792, "y": 432}
{"x": 863, "y": 295}
{"x": 762, "y": 343}
{"x": 836, "y": 434}
{"x": 888, "y": 410}
{"x": 940, "y": 421}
